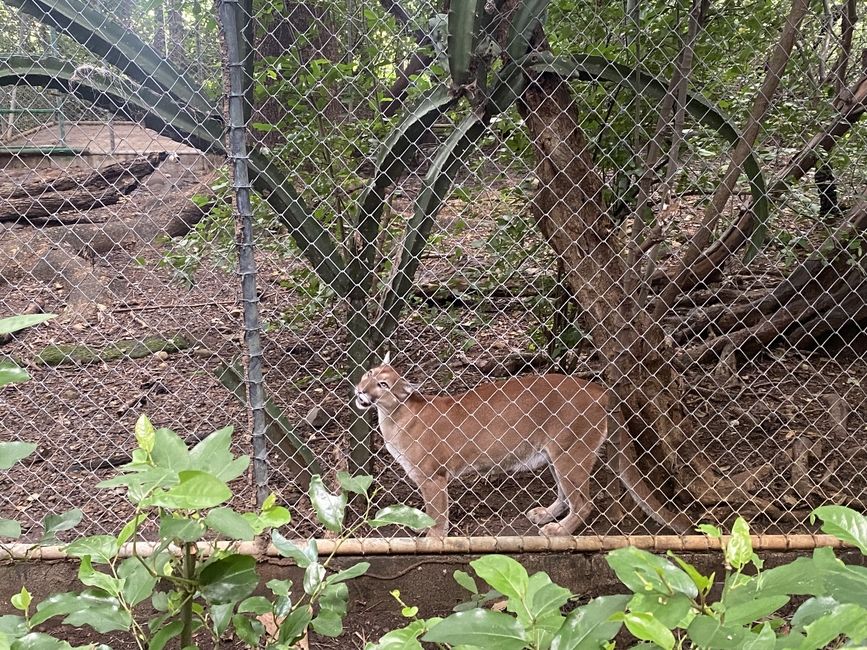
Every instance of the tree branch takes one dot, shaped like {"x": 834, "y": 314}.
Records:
{"x": 779, "y": 59}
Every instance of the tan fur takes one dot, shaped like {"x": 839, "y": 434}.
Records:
{"x": 521, "y": 423}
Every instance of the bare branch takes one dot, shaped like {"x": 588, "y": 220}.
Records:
{"x": 779, "y": 59}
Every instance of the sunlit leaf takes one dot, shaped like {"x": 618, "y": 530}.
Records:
{"x": 402, "y": 516}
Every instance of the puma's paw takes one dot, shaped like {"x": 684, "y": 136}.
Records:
{"x": 554, "y": 529}
{"x": 539, "y": 516}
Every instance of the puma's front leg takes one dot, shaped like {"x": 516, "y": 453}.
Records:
{"x": 434, "y": 491}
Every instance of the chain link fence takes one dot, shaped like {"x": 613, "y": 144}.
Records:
{"x": 665, "y": 199}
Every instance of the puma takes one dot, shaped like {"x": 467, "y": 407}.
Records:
{"x": 519, "y": 424}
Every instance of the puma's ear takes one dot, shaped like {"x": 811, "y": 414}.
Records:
{"x": 387, "y": 358}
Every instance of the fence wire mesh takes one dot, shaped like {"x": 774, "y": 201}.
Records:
{"x": 664, "y": 199}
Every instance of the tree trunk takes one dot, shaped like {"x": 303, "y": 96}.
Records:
{"x": 571, "y": 214}
{"x": 159, "y": 42}
{"x": 304, "y": 29}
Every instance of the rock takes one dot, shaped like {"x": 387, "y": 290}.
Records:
{"x": 317, "y": 417}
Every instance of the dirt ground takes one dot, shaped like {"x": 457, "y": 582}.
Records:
{"x": 747, "y": 422}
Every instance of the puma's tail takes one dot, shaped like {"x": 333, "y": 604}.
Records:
{"x": 637, "y": 487}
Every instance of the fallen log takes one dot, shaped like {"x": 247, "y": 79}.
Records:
{"x": 824, "y": 294}
{"x": 38, "y": 202}
{"x": 80, "y": 355}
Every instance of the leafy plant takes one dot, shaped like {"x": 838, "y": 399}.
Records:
{"x": 12, "y": 452}
{"x": 669, "y": 604}
{"x": 193, "y": 581}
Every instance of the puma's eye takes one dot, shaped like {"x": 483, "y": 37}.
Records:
{"x": 383, "y": 384}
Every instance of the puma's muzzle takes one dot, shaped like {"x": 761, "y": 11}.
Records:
{"x": 362, "y": 401}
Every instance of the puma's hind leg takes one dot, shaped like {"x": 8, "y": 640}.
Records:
{"x": 542, "y": 515}
{"x": 572, "y": 471}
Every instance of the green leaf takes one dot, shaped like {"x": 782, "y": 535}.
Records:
{"x": 314, "y": 574}
{"x": 401, "y": 515}
{"x": 39, "y": 641}
{"x": 645, "y": 627}
{"x": 170, "y": 452}
{"x": 196, "y": 490}
{"x": 356, "y": 484}
{"x": 590, "y": 626}
{"x": 301, "y": 556}
{"x": 466, "y": 581}
{"x": 255, "y": 605}
{"x": 12, "y": 374}
{"x": 12, "y": 324}
{"x": 119, "y": 47}
{"x": 332, "y": 609}
{"x": 708, "y": 632}
{"x": 180, "y": 529}
{"x": 702, "y": 583}
{"x": 509, "y": 84}
{"x": 811, "y": 610}
{"x": 846, "y": 619}
{"x": 527, "y": 18}
{"x": 165, "y": 634}
{"x": 404, "y": 638}
{"x": 130, "y": 528}
{"x": 462, "y": 21}
{"x": 10, "y": 528}
{"x": 503, "y": 574}
{"x": 671, "y": 611}
{"x": 91, "y": 607}
{"x": 754, "y": 610}
{"x": 221, "y": 617}
{"x": 93, "y": 578}
{"x": 272, "y": 516}
{"x": 644, "y": 572}
{"x": 479, "y": 627}
{"x": 12, "y": 452}
{"x": 141, "y": 483}
{"x": 145, "y": 434}
{"x": 539, "y": 611}
{"x": 279, "y": 587}
{"x": 739, "y": 548}
{"x": 358, "y": 569}
{"x": 330, "y": 508}
{"x": 100, "y": 548}
{"x": 248, "y": 631}
{"x": 295, "y": 625}
{"x": 13, "y": 625}
{"x": 213, "y": 455}
{"x": 53, "y": 524}
{"x": 544, "y": 597}
{"x": 802, "y": 577}
{"x": 229, "y": 523}
{"x": 228, "y": 579}
{"x": 138, "y": 583}
{"x": 22, "y": 600}
{"x": 843, "y": 523}
{"x": 710, "y": 530}
{"x": 765, "y": 640}
{"x": 435, "y": 190}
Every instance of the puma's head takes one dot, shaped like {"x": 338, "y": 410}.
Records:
{"x": 383, "y": 388}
